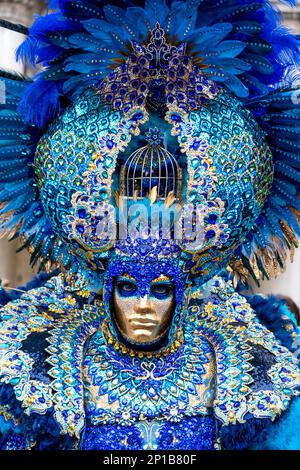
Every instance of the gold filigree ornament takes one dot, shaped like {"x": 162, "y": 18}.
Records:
{"x": 98, "y": 228}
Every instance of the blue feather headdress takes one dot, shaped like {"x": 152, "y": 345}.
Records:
{"x": 241, "y": 45}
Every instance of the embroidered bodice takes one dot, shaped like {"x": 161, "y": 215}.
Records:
{"x": 149, "y": 400}
{"x": 193, "y": 433}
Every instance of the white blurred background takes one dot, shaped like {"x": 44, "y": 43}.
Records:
{"x": 14, "y": 267}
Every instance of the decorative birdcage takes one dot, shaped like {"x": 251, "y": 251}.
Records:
{"x": 151, "y": 168}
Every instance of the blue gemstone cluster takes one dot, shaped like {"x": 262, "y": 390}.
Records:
{"x": 146, "y": 266}
{"x": 158, "y": 73}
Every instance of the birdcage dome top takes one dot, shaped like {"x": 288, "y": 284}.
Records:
{"x": 151, "y": 167}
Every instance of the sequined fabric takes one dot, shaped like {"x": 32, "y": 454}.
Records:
{"x": 198, "y": 433}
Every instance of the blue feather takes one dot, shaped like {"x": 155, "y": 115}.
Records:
{"x": 18, "y": 143}
{"x": 247, "y": 31}
{"x": 279, "y": 116}
{"x": 157, "y": 11}
{"x": 47, "y": 93}
{"x": 40, "y": 36}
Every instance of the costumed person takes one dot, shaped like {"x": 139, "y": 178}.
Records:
{"x": 153, "y": 160}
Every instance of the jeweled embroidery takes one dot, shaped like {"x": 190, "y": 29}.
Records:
{"x": 67, "y": 340}
{"x": 125, "y": 388}
{"x": 227, "y": 323}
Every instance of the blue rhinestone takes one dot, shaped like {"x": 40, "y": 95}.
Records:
{"x": 109, "y": 144}
{"x": 80, "y": 228}
{"x": 175, "y": 118}
{"x": 81, "y": 213}
{"x": 210, "y": 234}
{"x": 212, "y": 219}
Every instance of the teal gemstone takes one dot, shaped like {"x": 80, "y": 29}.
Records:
{"x": 103, "y": 194}
{"x": 18, "y": 393}
{"x": 108, "y": 162}
{"x": 195, "y": 163}
{"x": 15, "y": 381}
{"x": 193, "y": 196}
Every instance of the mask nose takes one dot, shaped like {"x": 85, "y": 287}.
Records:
{"x": 143, "y": 305}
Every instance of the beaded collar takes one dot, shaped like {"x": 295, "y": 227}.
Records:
{"x": 171, "y": 347}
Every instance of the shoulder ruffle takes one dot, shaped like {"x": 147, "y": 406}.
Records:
{"x": 42, "y": 339}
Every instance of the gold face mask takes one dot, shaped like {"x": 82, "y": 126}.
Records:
{"x": 143, "y": 320}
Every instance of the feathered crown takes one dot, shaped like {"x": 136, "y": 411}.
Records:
{"x": 238, "y": 44}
